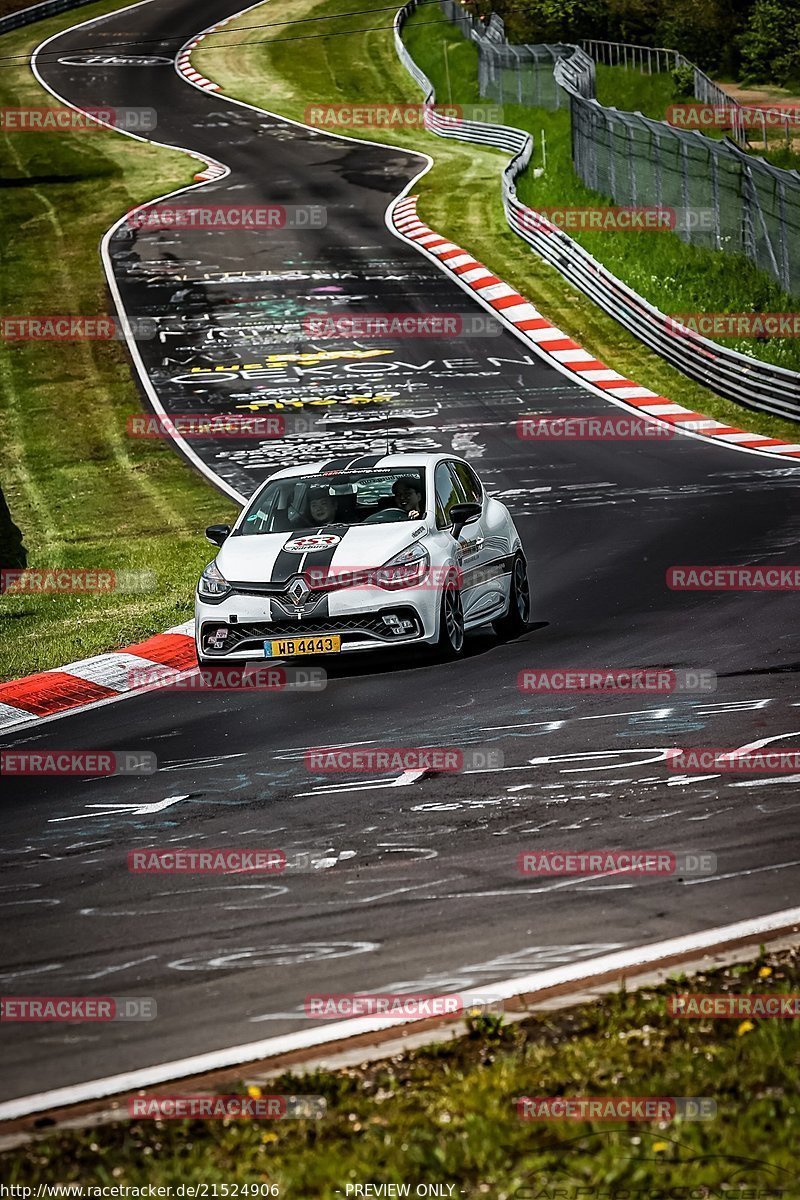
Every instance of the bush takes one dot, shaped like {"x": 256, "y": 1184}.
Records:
{"x": 770, "y": 44}
{"x": 683, "y": 81}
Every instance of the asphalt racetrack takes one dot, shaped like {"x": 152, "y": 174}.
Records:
{"x": 415, "y": 885}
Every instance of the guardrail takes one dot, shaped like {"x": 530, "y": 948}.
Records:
{"x": 745, "y": 119}
{"x": 37, "y": 12}
{"x": 736, "y": 376}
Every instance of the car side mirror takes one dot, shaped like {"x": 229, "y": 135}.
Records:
{"x": 216, "y": 534}
{"x": 462, "y": 514}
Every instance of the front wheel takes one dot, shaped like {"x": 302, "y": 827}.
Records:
{"x": 518, "y": 618}
{"x": 451, "y": 623}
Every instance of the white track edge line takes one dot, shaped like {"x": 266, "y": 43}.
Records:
{"x": 133, "y": 349}
{"x": 640, "y": 956}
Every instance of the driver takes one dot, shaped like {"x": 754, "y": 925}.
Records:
{"x": 406, "y": 492}
{"x": 322, "y": 506}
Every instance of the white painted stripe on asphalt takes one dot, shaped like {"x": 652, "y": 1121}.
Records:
{"x": 742, "y": 437}
{"x": 496, "y": 291}
{"x": 475, "y": 273}
{"x": 458, "y": 260}
{"x": 110, "y": 670}
{"x": 9, "y": 715}
{"x": 702, "y": 424}
{"x": 658, "y": 410}
{"x": 200, "y": 1064}
{"x": 633, "y": 393}
{"x": 604, "y": 376}
{"x": 550, "y": 334}
{"x": 570, "y": 356}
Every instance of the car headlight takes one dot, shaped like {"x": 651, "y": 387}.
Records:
{"x": 213, "y": 585}
{"x": 406, "y": 569}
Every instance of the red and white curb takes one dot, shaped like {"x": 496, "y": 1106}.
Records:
{"x": 552, "y": 344}
{"x": 185, "y": 68}
{"x": 95, "y": 680}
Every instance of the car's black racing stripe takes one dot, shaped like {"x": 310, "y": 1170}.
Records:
{"x": 337, "y": 464}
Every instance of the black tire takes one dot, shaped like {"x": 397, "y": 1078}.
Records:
{"x": 518, "y": 618}
{"x": 451, "y": 624}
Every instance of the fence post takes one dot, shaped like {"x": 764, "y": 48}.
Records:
{"x": 684, "y": 186}
{"x": 715, "y": 196}
{"x": 785, "y": 266}
{"x": 632, "y": 164}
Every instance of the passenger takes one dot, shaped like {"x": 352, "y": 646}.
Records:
{"x": 406, "y": 491}
{"x": 322, "y": 506}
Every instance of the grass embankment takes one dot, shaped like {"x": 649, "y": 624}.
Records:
{"x": 676, "y": 277}
{"x": 84, "y": 494}
{"x": 447, "y": 1114}
{"x": 460, "y": 196}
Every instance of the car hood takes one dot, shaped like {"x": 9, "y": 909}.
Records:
{"x": 263, "y": 558}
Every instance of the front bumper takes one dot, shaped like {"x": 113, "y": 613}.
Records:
{"x": 392, "y": 624}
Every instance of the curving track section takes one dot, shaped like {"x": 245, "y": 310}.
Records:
{"x": 415, "y": 884}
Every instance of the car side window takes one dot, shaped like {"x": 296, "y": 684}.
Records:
{"x": 447, "y": 494}
{"x": 468, "y": 481}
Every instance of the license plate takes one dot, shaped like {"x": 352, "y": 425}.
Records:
{"x": 291, "y": 647}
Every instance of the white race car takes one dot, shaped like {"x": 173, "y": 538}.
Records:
{"x": 358, "y": 554}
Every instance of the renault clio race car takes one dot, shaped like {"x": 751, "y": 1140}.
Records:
{"x": 359, "y": 554}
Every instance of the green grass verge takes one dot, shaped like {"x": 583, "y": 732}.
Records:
{"x": 460, "y": 196}
{"x": 84, "y": 494}
{"x": 447, "y": 1114}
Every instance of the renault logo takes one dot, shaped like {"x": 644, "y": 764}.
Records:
{"x": 298, "y": 591}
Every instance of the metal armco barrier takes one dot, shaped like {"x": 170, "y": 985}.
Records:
{"x": 37, "y": 12}
{"x": 735, "y": 376}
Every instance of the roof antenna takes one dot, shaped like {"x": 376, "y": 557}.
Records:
{"x": 388, "y": 451}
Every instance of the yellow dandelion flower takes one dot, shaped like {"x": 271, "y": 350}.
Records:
{"x": 659, "y": 1146}
{"x": 744, "y": 1028}
{"x": 765, "y": 973}
{"x": 254, "y": 1093}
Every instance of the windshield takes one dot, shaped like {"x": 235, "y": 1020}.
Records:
{"x": 360, "y": 497}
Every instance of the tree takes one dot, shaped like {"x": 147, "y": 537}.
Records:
{"x": 770, "y": 44}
